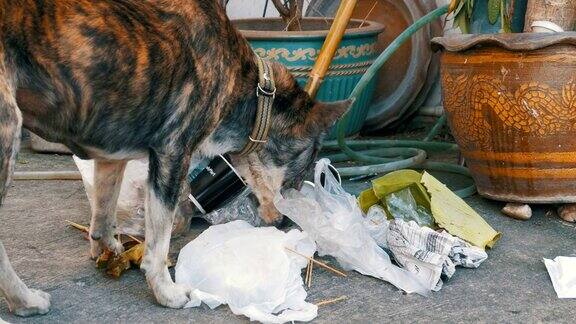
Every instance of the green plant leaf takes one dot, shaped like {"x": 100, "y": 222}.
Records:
{"x": 493, "y": 10}
{"x": 506, "y": 20}
{"x": 469, "y": 8}
{"x": 461, "y": 21}
{"x": 459, "y": 8}
{"x": 453, "y": 5}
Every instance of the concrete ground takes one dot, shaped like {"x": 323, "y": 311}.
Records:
{"x": 511, "y": 286}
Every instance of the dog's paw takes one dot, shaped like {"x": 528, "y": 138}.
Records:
{"x": 568, "y": 212}
{"x": 34, "y": 302}
{"x": 100, "y": 244}
{"x": 173, "y": 295}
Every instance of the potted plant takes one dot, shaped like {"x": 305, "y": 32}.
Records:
{"x": 488, "y": 16}
{"x": 510, "y": 100}
{"x": 295, "y": 41}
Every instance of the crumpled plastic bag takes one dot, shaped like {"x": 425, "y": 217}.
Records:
{"x": 402, "y": 205}
{"x": 130, "y": 210}
{"x": 377, "y": 223}
{"x": 250, "y": 269}
{"x": 243, "y": 207}
{"x": 334, "y": 221}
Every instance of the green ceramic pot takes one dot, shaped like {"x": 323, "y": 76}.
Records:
{"x": 298, "y": 50}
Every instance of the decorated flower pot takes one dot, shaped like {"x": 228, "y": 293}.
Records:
{"x": 298, "y": 51}
{"x": 511, "y": 105}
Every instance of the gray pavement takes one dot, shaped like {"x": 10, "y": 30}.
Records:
{"x": 511, "y": 286}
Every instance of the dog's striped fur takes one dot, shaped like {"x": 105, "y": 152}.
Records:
{"x": 167, "y": 79}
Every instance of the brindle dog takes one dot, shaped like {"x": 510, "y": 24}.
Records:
{"x": 172, "y": 80}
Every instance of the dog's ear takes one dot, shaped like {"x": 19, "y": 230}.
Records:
{"x": 324, "y": 115}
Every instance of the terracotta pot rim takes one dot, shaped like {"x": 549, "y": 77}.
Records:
{"x": 509, "y": 41}
{"x": 369, "y": 27}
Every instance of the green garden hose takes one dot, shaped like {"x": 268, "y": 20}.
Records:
{"x": 382, "y": 156}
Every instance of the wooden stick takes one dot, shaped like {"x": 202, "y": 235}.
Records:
{"x": 78, "y": 226}
{"x": 368, "y": 14}
{"x": 323, "y": 265}
{"x": 307, "y": 273}
{"x": 310, "y": 276}
{"x": 135, "y": 239}
{"x": 331, "y": 301}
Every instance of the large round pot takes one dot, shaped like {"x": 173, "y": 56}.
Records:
{"x": 405, "y": 80}
{"x": 298, "y": 51}
{"x": 511, "y": 105}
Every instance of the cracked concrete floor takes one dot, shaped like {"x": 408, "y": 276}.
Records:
{"x": 511, "y": 286}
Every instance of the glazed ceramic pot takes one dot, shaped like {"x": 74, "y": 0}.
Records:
{"x": 298, "y": 51}
{"x": 511, "y": 105}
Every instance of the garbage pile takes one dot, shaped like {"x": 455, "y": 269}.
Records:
{"x": 254, "y": 271}
{"x": 408, "y": 229}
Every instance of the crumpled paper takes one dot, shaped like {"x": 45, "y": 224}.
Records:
{"x": 249, "y": 269}
{"x": 428, "y": 254}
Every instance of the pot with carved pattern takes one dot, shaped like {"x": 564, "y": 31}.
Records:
{"x": 511, "y": 105}
{"x": 298, "y": 51}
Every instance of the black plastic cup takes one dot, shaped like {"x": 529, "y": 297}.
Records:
{"x": 213, "y": 185}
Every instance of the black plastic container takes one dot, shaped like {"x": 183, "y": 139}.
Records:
{"x": 213, "y": 184}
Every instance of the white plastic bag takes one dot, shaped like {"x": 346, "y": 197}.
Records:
{"x": 334, "y": 221}
{"x": 562, "y": 271}
{"x": 250, "y": 269}
{"x": 130, "y": 210}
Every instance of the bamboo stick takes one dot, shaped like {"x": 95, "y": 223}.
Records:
{"x": 82, "y": 228}
{"x": 323, "y": 265}
{"x": 331, "y": 301}
{"x": 330, "y": 46}
{"x": 310, "y": 274}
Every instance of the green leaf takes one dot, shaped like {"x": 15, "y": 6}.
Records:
{"x": 459, "y": 8}
{"x": 461, "y": 21}
{"x": 469, "y": 8}
{"x": 493, "y": 10}
{"x": 506, "y": 20}
{"x": 453, "y": 5}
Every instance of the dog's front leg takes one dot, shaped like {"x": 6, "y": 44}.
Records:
{"x": 22, "y": 301}
{"x": 107, "y": 182}
{"x": 166, "y": 174}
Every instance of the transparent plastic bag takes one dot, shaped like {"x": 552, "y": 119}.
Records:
{"x": 402, "y": 205}
{"x": 249, "y": 269}
{"x": 243, "y": 207}
{"x": 334, "y": 221}
{"x": 130, "y": 210}
{"x": 377, "y": 224}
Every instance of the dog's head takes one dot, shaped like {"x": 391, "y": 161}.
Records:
{"x": 298, "y": 127}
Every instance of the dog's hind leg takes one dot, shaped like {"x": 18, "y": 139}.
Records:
{"x": 22, "y": 300}
{"x": 107, "y": 182}
{"x": 166, "y": 175}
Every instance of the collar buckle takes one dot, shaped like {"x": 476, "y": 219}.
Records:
{"x": 267, "y": 93}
